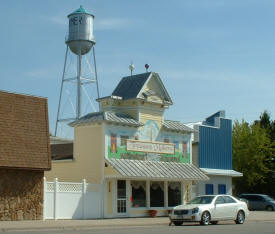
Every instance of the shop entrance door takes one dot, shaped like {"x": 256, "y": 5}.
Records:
{"x": 121, "y": 197}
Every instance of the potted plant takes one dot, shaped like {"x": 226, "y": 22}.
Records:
{"x": 153, "y": 213}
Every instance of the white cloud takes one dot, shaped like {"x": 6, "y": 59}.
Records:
{"x": 112, "y": 23}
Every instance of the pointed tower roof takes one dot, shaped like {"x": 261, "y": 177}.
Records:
{"x": 80, "y": 10}
{"x": 133, "y": 86}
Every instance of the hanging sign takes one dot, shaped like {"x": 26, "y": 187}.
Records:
{"x": 150, "y": 147}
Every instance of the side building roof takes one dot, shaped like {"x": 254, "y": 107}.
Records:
{"x": 176, "y": 126}
{"x": 24, "y": 132}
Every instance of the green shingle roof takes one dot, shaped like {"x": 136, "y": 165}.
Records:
{"x": 130, "y": 86}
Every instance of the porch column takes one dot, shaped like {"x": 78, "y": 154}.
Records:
{"x": 165, "y": 194}
{"x": 182, "y": 192}
{"x": 128, "y": 196}
{"x": 147, "y": 193}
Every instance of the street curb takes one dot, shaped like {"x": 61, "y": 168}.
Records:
{"x": 82, "y": 227}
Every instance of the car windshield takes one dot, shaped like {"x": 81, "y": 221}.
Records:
{"x": 202, "y": 200}
{"x": 268, "y": 198}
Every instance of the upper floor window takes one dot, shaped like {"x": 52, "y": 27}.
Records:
{"x": 166, "y": 140}
{"x": 113, "y": 143}
{"x": 123, "y": 140}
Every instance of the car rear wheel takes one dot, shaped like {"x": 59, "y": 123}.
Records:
{"x": 240, "y": 217}
{"x": 205, "y": 218}
{"x": 269, "y": 208}
{"x": 214, "y": 222}
{"x": 178, "y": 223}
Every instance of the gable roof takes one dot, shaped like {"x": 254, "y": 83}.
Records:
{"x": 108, "y": 116}
{"x": 131, "y": 87}
{"x": 24, "y": 132}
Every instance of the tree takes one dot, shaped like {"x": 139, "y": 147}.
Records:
{"x": 252, "y": 152}
{"x": 268, "y": 125}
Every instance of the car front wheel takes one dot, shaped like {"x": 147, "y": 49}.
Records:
{"x": 240, "y": 217}
{"x": 205, "y": 218}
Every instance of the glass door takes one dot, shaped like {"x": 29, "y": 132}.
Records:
{"x": 121, "y": 197}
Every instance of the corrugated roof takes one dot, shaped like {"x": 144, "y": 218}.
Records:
{"x": 221, "y": 172}
{"x": 138, "y": 169}
{"x": 130, "y": 86}
{"x": 176, "y": 126}
{"x": 108, "y": 116}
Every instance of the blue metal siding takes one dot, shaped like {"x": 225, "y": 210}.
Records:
{"x": 215, "y": 146}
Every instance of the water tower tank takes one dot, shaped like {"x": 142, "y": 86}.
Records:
{"x": 80, "y": 38}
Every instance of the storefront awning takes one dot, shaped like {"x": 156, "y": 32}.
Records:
{"x": 155, "y": 170}
{"x": 221, "y": 172}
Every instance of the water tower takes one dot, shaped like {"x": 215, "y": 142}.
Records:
{"x": 79, "y": 73}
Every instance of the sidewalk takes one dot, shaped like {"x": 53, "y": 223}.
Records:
{"x": 255, "y": 216}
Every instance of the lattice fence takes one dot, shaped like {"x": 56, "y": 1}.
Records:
{"x": 66, "y": 200}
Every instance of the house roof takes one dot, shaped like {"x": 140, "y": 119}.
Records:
{"x": 108, "y": 116}
{"x": 176, "y": 126}
{"x": 138, "y": 169}
{"x": 24, "y": 132}
{"x": 62, "y": 151}
{"x": 131, "y": 87}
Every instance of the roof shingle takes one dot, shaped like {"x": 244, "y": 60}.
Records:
{"x": 24, "y": 132}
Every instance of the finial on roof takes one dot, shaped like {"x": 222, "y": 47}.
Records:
{"x": 146, "y": 67}
{"x": 131, "y": 67}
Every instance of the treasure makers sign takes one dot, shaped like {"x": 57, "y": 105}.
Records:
{"x": 150, "y": 147}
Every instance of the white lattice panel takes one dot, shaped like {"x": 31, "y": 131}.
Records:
{"x": 50, "y": 186}
{"x": 66, "y": 187}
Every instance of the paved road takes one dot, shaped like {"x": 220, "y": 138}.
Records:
{"x": 224, "y": 228}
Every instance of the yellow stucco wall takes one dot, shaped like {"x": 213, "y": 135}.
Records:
{"x": 88, "y": 157}
{"x": 109, "y": 171}
{"x": 110, "y": 197}
{"x": 146, "y": 115}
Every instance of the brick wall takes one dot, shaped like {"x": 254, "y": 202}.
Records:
{"x": 21, "y": 194}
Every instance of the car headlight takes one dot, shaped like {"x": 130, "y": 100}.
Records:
{"x": 195, "y": 210}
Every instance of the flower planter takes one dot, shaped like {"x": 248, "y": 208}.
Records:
{"x": 153, "y": 213}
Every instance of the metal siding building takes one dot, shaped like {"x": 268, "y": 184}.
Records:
{"x": 215, "y": 148}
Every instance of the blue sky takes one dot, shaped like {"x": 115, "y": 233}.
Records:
{"x": 210, "y": 54}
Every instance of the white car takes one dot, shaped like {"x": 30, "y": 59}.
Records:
{"x": 210, "y": 209}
